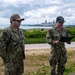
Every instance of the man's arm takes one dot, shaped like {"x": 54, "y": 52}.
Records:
{"x": 3, "y": 43}
{"x": 23, "y": 46}
{"x": 49, "y": 37}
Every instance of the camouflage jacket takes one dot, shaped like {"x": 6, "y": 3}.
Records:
{"x": 55, "y": 34}
{"x": 12, "y": 44}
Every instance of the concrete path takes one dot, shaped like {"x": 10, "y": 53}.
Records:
{"x": 72, "y": 74}
{"x": 45, "y": 46}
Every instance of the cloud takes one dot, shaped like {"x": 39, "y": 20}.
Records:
{"x": 4, "y": 21}
{"x": 41, "y": 13}
{"x": 52, "y": 1}
{"x": 4, "y": 13}
{"x": 15, "y": 3}
{"x": 37, "y": 11}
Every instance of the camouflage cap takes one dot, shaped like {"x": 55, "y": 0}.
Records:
{"x": 60, "y": 19}
{"x": 15, "y": 17}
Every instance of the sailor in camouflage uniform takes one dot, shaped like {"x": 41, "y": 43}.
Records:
{"x": 58, "y": 57}
{"x": 12, "y": 47}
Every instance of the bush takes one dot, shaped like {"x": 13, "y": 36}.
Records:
{"x": 35, "y": 40}
{"x": 39, "y": 36}
{"x": 35, "y": 36}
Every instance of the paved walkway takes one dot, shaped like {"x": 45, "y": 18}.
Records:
{"x": 72, "y": 74}
{"x": 45, "y": 46}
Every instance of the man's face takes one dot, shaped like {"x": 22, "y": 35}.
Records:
{"x": 17, "y": 23}
{"x": 59, "y": 24}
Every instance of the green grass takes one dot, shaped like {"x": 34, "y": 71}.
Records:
{"x": 38, "y": 64}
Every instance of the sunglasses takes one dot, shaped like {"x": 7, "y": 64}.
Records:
{"x": 61, "y": 22}
{"x": 17, "y": 20}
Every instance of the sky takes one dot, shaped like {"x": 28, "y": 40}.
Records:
{"x": 37, "y": 11}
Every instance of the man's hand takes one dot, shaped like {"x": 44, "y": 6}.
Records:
{"x": 57, "y": 42}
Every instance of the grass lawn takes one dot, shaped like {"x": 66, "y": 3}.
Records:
{"x": 36, "y": 62}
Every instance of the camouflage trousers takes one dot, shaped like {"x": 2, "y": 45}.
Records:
{"x": 14, "y": 68}
{"x": 57, "y": 63}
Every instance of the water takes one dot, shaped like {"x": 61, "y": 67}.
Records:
{"x": 32, "y": 27}
{"x": 26, "y": 27}
{"x": 3, "y": 26}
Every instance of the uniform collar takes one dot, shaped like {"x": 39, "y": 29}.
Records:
{"x": 57, "y": 29}
{"x": 14, "y": 30}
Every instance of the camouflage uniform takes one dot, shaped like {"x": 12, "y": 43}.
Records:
{"x": 12, "y": 50}
{"x": 58, "y": 52}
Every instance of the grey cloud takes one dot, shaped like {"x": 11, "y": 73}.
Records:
{"x": 66, "y": 8}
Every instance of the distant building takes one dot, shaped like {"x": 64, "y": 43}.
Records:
{"x": 45, "y": 21}
{"x": 48, "y": 23}
{"x": 45, "y": 24}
